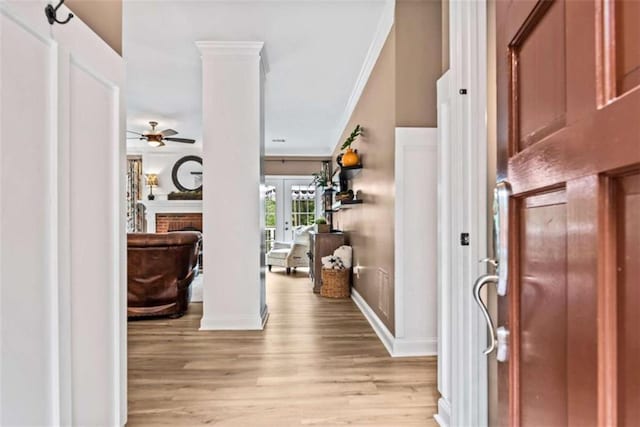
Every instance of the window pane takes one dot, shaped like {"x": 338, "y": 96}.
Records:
{"x": 270, "y": 215}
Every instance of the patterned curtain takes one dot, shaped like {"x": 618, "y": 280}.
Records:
{"x": 135, "y": 217}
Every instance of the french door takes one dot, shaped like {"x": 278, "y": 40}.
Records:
{"x": 290, "y": 202}
{"x": 300, "y": 205}
{"x": 569, "y": 148}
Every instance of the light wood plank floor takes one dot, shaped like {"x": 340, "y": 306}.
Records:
{"x": 318, "y": 362}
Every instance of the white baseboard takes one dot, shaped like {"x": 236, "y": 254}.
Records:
{"x": 249, "y": 323}
{"x": 379, "y": 328}
{"x": 404, "y": 347}
{"x": 396, "y": 347}
{"x": 443, "y": 417}
{"x": 264, "y": 316}
{"x": 196, "y": 288}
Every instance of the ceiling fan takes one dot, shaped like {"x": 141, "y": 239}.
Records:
{"x": 156, "y": 138}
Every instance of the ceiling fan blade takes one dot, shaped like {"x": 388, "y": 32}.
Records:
{"x": 135, "y": 137}
{"x": 169, "y": 132}
{"x": 137, "y": 133}
{"x": 183, "y": 140}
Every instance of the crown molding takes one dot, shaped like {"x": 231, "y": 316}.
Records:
{"x": 297, "y": 157}
{"x": 375, "y": 48}
{"x": 234, "y": 48}
{"x": 319, "y": 153}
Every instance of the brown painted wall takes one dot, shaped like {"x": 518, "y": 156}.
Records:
{"x": 293, "y": 165}
{"x": 370, "y": 226}
{"x": 401, "y": 92}
{"x": 103, "y": 16}
{"x": 418, "y": 62}
{"x": 445, "y": 35}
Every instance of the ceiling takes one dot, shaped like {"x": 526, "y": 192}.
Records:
{"x": 315, "y": 51}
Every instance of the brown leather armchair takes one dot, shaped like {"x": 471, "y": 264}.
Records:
{"x": 161, "y": 268}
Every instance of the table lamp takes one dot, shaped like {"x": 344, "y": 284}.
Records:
{"x": 152, "y": 181}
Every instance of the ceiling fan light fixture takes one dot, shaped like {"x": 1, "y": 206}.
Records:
{"x": 156, "y": 138}
{"x": 155, "y": 143}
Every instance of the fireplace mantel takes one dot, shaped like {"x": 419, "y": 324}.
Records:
{"x": 154, "y": 207}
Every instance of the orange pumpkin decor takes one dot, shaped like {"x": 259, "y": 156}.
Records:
{"x": 351, "y": 157}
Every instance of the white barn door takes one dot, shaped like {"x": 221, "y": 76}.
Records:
{"x": 62, "y": 239}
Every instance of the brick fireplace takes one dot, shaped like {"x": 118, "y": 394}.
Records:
{"x": 166, "y": 222}
{"x": 162, "y": 216}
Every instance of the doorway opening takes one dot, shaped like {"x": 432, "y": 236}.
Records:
{"x": 291, "y": 207}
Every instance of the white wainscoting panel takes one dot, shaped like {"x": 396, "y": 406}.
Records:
{"x": 62, "y": 238}
{"x": 93, "y": 297}
{"x": 415, "y": 248}
{"x": 416, "y": 181}
{"x": 28, "y": 293}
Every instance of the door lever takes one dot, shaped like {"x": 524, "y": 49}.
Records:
{"x": 502, "y": 195}
{"x": 501, "y": 200}
{"x": 477, "y": 288}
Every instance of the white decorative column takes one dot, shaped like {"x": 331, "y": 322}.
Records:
{"x": 233, "y": 150}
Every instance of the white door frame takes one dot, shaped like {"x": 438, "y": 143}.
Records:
{"x": 288, "y": 182}
{"x": 462, "y": 181}
{"x": 445, "y": 241}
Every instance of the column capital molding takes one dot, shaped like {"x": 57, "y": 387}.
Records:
{"x": 234, "y": 48}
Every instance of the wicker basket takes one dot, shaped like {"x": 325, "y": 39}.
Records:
{"x": 335, "y": 283}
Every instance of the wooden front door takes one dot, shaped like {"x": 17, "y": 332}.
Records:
{"x": 569, "y": 145}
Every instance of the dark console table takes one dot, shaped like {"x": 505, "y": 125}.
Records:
{"x": 321, "y": 245}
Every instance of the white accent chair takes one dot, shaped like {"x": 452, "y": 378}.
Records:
{"x": 291, "y": 255}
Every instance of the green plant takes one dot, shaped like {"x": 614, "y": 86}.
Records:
{"x": 321, "y": 220}
{"x": 321, "y": 179}
{"x": 270, "y": 212}
{"x": 352, "y": 138}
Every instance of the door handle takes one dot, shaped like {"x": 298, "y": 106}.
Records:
{"x": 502, "y": 195}
{"x": 501, "y": 200}
{"x": 477, "y": 288}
